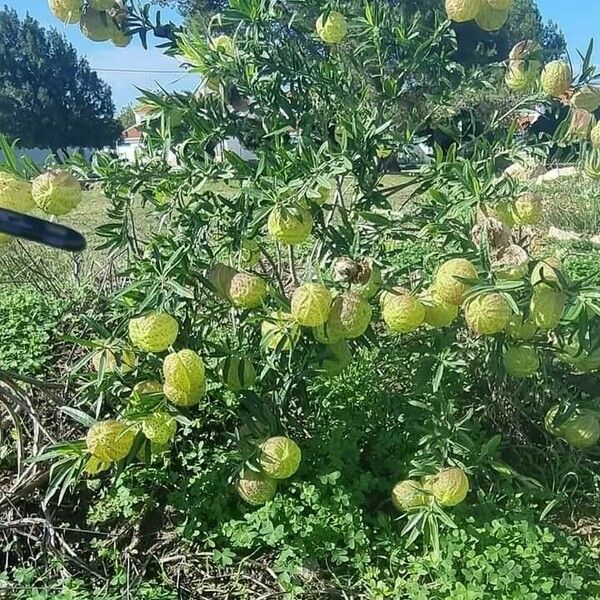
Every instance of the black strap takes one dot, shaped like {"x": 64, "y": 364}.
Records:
{"x": 38, "y": 230}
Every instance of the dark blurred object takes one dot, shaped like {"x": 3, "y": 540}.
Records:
{"x": 38, "y": 230}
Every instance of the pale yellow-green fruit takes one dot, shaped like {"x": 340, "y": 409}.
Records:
{"x": 595, "y": 135}
{"x": 403, "y": 313}
{"x": 335, "y": 358}
{"x": 124, "y": 363}
{"x": 224, "y": 44}
{"x": 15, "y": 193}
{"x": 256, "y": 488}
{"x": 150, "y": 387}
{"x": 512, "y": 263}
{"x": 449, "y": 487}
{"x": 333, "y": 28}
{"x": 437, "y": 312}
{"x": 546, "y": 307}
{"x": 519, "y": 328}
{"x": 280, "y": 457}
{"x": 387, "y": 295}
{"x": 94, "y": 465}
{"x": 110, "y": 440}
{"x": 350, "y": 315}
{"x": 462, "y": 10}
{"x": 184, "y": 378}
{"x": 101, "y": 4}
{"x": 250, "y": 254}
{"x": 447, "y": 282}
{"x": 581, "y": 429}
{"x": 281, "y": 332}
{"x": 154, "y": 332}
{"x": 528, "y": 209}
{"x": 521, "y": 361}
{"x": 490, "y": 19}
{"x": 545, "y": 273}
{"x": 408, "y": 494}
{"x": 68, "y": 11}
{"x": 500, "y": 4}
{"x": 56, "y": 192}
{"x": 487, "y": 314}
{"x": 97, "y": 25}
{"x": 516, "y": 77}
{"x": 159, "y": 427}
{"x": 290, "y": 225}
{"x": 556, "y": 78}
{"x": 587, "y": 98}
{"x": 310, "y": 304}
{"x": 237, "y": 374}
{"x": 220, "y": 276}
{"x": 247, "y": 290}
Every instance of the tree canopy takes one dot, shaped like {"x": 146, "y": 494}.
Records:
{"x": 50, "y": 97}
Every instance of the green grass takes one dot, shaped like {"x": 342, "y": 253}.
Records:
{"x": 55, "y": 270}
{"x": 573, "y": 204}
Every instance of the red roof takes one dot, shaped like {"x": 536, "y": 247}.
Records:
{"x": 132, "y": 133}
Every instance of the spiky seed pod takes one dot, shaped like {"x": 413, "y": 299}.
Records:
{"x": 110, "y": 440}
{"x": 403, "y": 313}
{"x": 546, "y": 307}
{"x": 256, "y": 488}
{"x": 350, "y": 314}
{"x": 547, "y": 273}
{"x": 556, "y": 78}
{"x": 56, "y": 192}
{"x": 462, "y": 10}
{"x": 154, "y": 332}
{"x": 250, "y": 253}
{"x": 368, "y": 279}
{"x": 15, "y": 193}
{"x": 332, "y": 29}
{"x": 280, "y": 457}
{"x": 290, "y": 225}
{"x": 528, "y": 209}
{"x": 449, "y": 284}
{"x": 449, "y": 487}
{"x": 587, "y": 98}
{"x": 97, "y": 25}
{"x": 220, "y": 276}
{"x": 184, "y": 378}
{"x": 247, "y": 290}
{"x": 595, "y": 135}
{"x": 490, "y": 19}
{"x": 310, "y": 304}
{"x": 581, "y": 429}
{"x": 438, "y": 313}
{"x": 487, "y": 314}
{"x": 344, "y": 270}
{"x": 581, "y": 123}
{"x": 408, "y": 494}
{"x": 68, "y": 11}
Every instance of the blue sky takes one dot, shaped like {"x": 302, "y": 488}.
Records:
{"x": 578, "y": 19}
{"x": 102, "y": 56}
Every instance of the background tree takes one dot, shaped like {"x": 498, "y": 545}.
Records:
{"x": 49, "y": 97}
{"x": 127, "y": 116}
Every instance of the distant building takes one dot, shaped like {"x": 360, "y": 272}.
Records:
{"x": 131, "y": 139}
